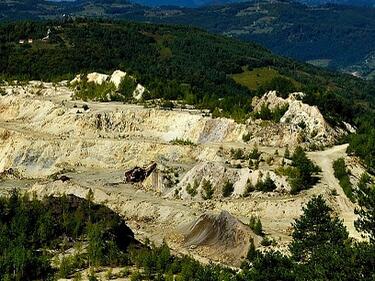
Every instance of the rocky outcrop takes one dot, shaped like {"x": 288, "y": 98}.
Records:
{"x": 97, "y": 78}
{"x": 116, "y": 78}
{"x": 302, "y": 123}
{"x": 138, "y": 92}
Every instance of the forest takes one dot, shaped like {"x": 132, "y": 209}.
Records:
{"x": 35, "y": 234}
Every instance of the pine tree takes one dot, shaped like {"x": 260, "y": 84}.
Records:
{"x": 366, "y": 200}
{"x": 316, "y": 229}
{"x": 258, "y": 228}
{"x": 252, "y": 252}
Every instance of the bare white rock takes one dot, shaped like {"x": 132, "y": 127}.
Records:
{"x": 138, "y": 92}
{"x": 117, "y": 77}
{"x": 97, "y": 78}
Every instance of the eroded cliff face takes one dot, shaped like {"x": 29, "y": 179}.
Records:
{"x": 44, "y": 133}
{"x": 43, "y": 130}
{"x": 301, "y": 123}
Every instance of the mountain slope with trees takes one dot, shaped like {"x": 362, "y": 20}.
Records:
{"x": 338, "y": 37}
{"x": 328, "y": 35}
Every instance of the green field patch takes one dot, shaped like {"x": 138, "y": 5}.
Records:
{"x": 259, "y": 77}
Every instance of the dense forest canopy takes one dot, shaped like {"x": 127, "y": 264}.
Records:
{"x": 327, "y": 35}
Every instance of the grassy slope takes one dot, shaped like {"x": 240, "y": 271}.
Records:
{"x": 259, "y": 77}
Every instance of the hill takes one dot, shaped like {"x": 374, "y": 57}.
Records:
{"x": 325, "y": 36}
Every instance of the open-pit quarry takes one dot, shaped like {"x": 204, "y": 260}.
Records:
{"x": 52, "y": 144}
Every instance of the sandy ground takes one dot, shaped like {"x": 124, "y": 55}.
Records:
{"x": 99, "y": 164}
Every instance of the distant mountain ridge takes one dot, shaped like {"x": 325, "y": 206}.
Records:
{"x": 197, "y": 3}
{"x": 340, "y": 2}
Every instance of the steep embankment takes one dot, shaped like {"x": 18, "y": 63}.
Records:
{"x": 43, "y": 132}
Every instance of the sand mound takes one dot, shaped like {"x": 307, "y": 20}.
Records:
{"x": 210, "y": 229}
{"x": 219, "y": 233}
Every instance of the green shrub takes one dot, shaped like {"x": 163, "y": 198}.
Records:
{"x": 228, "y": 189}
{"x": 287, "y": 153}
{"x": 256, "y": 225}
{"x": 237, "y": 154}
{"x": 251, "y": 252}
{"x": 192, "y": 190}
{"x": 207, "y": 190}
{"x": 168, "y": 105}
{"x": 266, "y": 242}
{"x": 91, "y": 91}
{"x": 127, "y": 87}
{"x": 178, "y": 141}
{"x": 246, "y": 137}
{"x": 283, "y": 86}
{"x": 303, "y": 176}
{"x": 341, "y": 173}
{"x": 266, "y": 185}
{"x": 255, "y": 154}
{"x": 249, "y": 188}
{"x": 136, "y": 276}
{"x": 279, "y": 112}
{"x": 265, "y": 113}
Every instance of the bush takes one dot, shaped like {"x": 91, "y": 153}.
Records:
{"x": 251, "y": 252}
{"x": 267, "y": 185}
{"x": 127, "y": 87}
{"x": 136, "y": 276}
{"x": 246, "y": 137}
{"x": 287, "y": 153}
{"x": 207, "y": 190}
{"x": 228, "y": 189}
{"x": 341, "y": 174}
{"x": 249, "y": 188}
{"x": 266, "y": 113}
{"x": 192, "y": 190}
{"x": 279, "y": 112}
{"x": 237, "y": 153}
{"x": 178, "y": 141}
{"x": 255, "y": 154}
{"x": 168, "y": 105}
{"x": 266, "y": 242}
{"x": 283, "y": 86}
{"x": 303, "y": 174}
{"x": 91, "y": 91}
{"x": 256, "y": 225}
